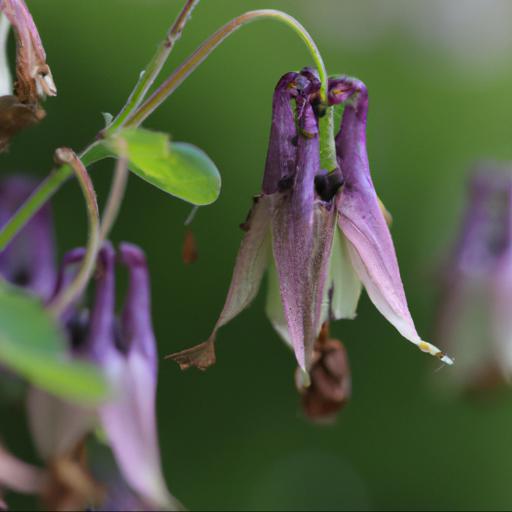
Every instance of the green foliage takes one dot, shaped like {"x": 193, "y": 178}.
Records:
{"x": 32, "y": 345}
{"x": 178, "y": 168}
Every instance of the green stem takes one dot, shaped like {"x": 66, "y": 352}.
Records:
{"x": 206, "y": 48}
{"x": 116, "y": 194}
{"x": 40, "y": 196}
{"x": 152, "y": 70}
{"x": 67, "y": 295}
{"x": 132, "y": 117}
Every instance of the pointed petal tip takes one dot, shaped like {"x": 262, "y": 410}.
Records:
{"x": 428, "y": 348}
{"x": 304, "y": 380}
{"x": 201, "y": 356}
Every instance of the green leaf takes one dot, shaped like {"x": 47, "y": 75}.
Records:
{"x": 178, "y": 168}
{"x": 32, "y": 345}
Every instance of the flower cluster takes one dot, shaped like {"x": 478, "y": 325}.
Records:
{"x": 123, "y": 347}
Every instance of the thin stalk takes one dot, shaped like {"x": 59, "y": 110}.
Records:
{"x": 152, "y": 70}
{"x": 62, "y": 300}
{"x": 207, "y": 47}
{"x": 136, "y": 116}
{"x": 116, "y": 195}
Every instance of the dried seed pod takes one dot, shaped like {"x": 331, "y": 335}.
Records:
{"x": 331, "y": 384}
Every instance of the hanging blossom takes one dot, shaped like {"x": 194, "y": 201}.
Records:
{"x": 123, "y": 348}
{"x": 474, "y": 320}
{"x": 34, "y": 81}
{"x": 321, "y": 235}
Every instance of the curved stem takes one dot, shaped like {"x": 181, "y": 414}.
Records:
{"x": 51, "y": 184}
{"x": 155, "y": 65}
{"x": 183, "y": 71}
{"x": 115, "y": 196}
{"x": 68, "y": 294}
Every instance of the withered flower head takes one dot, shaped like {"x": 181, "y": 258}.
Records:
{"x": 34, "y": 79}
{"x": 331, "y": 383}
{"x": 322, "y": 235}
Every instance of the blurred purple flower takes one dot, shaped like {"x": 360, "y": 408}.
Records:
{"x": 474, "y": 320}
{"x": 29, "y": 260}
{"x": 316, "y": 270}
{"x": 125, "y": 349}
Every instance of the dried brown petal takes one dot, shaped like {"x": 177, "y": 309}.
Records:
{"x": 331, "y": 384}
{"x": 16, "y": 116}
{"x": 201, "y": 356}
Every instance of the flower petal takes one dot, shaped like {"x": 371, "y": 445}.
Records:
{"x": 302, "y": 231}
{"x": 274, "y": 306}
{"x": 362, "y": 222}
{"x": 19, "y": 476}
{"x": 251, "y": 263}
{"x": 29, "y": 259}
{"x": 343, "y": 288}
{"x": 129, "y": 419}
{"x": 56, "y": 425}
{"x": 280, "y": 163}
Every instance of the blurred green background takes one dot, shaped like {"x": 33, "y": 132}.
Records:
{"x": 234, "y": 437}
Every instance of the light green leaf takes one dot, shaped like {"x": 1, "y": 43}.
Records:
{"x": 178, "y": 168}
{"x": 32, "y": 345}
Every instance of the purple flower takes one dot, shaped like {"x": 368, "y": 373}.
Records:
{"x": 474, "y": 320}
{"x": 29, "y": 260}
{"x": 125, "y": 349}
{"x": 321, "y": 235}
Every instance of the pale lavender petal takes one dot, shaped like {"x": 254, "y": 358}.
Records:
{"x": 302, "y": 230}
{"x": 251, "y": 263}
{"x": 343, "y": 288}
{"x": 56, "y": 425}
{"x": 29, "y": 259}
{"x": 129, "y": 419}
{"x": 18, "y": 476}
{"x": 362, "y": 222}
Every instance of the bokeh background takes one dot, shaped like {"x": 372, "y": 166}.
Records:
{"x": 439, "y": 75}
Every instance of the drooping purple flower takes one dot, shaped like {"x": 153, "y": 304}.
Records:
{"x": 128, "y": 356}
{"x": 474, "y": 320}
{"x": 321, "y": 235}
{"x": 125, "y": 350}
{"x": 29, "y": 260}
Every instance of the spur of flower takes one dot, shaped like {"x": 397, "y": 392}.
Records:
{"x": 321, "y": 233}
